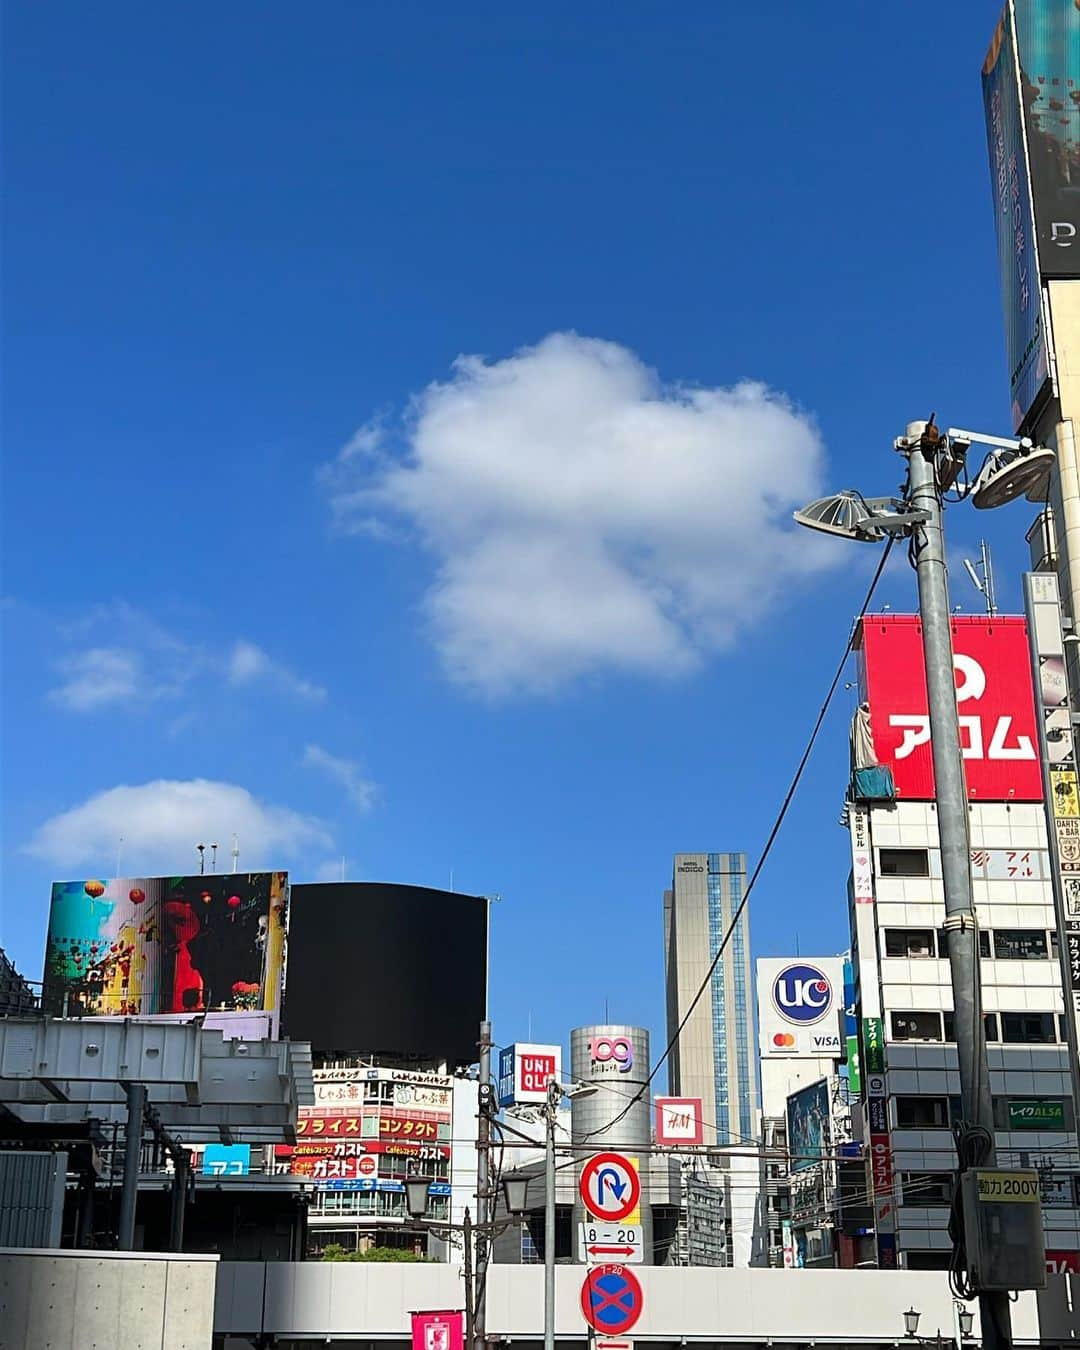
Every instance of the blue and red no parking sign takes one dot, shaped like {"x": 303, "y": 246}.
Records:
{"x": 611, "y": 1299}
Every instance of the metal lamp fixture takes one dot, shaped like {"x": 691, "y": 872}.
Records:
{"x": 966, "y": 1318}
{"x": 850, "y": 515}
{"x": 515, "y": 1194}
{"x": 911, "y": 1322}
{"x": 416, "y": 1196}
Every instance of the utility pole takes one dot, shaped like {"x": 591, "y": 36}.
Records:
{"x": 470, "y": 1302}
{"x": 551, "y": 1106}
{"x": 483, "y": 1188}
{"x": 921, "y": 446}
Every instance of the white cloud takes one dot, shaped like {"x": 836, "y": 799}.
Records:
{"x": 346, "y": 772}
{"x": 101, "y": 676}
{"x": 249, "y": 664}
{"x": 118, "y": 654}
{"x": 587, "y": 517}
{"x": 161, "y": 822}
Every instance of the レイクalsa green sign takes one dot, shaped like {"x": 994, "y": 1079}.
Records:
{"x": 1035, "y": 1113}
{"x": 873, "y": 1034}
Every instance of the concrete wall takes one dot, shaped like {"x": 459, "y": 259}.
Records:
{"x": 840, "y": 1306}
{"x": 51, "y": 1300}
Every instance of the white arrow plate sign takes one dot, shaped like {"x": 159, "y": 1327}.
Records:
{"x": 603, "y": 1243}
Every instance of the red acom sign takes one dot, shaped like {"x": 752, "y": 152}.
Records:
{"x": 993, "y": 694}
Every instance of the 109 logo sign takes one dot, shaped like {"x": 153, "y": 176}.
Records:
{"x": 802, "y": 994}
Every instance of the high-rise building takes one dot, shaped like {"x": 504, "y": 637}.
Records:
{"x": 713, "y": 1057}
{"x": 908, "y": 1075}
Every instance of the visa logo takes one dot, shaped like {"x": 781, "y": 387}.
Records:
{"x": 826, "y": 1042}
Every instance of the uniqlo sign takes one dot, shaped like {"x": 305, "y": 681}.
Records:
{"x": 994, "y": 699}
{"x": 525, "y": 1072}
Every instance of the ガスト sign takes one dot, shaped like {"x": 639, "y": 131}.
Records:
{"x": 994, "y": 700}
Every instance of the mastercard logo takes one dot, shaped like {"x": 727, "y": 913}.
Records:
{"x": 784, "y": 1040}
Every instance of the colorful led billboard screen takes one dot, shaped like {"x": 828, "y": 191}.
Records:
{"x": 808, "y": 1125}
{"x": 154, "y": 946}
{"x": 376, "y": 968}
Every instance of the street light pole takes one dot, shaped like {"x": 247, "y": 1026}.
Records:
{"x": 484, "y": 1206}
{"x": 921, "y": 445}
{"x": 554, "y": 1095}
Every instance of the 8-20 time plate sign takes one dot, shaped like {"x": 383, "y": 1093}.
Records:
{"x": 605, "y": 1242}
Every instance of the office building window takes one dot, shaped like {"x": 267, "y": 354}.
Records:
{"x": 916, "y": 1026}
{"x": 922, "y": 1113}
{"x": 1028, "y": 1028}
{"x": 926, "y": 1188}
{"x": 914, "y": 943}
{"x": 1020, "y": 944}
{"x": 990, "y": 1026}
{"x": 903, "y": 862}
{"x": 943, "y": 943}
{"x": 926, "y": 1260}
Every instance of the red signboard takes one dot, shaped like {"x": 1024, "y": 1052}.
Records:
{"x": 881, "y": 1163}
{"x": 1062, "y": 1263}
{"x": 678, "y": 1120}
{"x": 355, "y": 1148}
{"x": 993, "y": 694}
{"x": 408, "y": 1127}
{"x": 438, "y": 1330}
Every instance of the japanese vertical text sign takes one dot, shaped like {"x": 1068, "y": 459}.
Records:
{"x": 998, "y": 732}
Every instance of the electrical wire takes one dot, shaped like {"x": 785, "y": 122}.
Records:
{"x": 770, "y": 840}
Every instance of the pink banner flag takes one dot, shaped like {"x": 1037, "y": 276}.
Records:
{"x": 438, "y": 1331}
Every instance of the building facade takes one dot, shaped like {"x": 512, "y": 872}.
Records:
{"x": 713, "y": 1057}
{"x": 370, "y": 1128}
{"x": 910, "y": 1085}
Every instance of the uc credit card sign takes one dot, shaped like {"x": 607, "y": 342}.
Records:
{"x": 800, "y": 1006}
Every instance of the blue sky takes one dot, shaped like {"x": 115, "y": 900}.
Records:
{"x": 278, "y": 560}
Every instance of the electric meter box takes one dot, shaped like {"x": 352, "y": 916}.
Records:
{"x": 1003, "y": 1230}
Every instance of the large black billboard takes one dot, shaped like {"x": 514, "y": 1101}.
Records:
{"x": 376, "y": 968}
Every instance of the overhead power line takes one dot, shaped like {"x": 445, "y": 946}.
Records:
{"x": 777, "y": 824}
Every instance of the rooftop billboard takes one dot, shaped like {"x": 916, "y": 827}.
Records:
{"x": 377, "y": 968}
{"x": 1048, "y": 40}
{"x": 1026, "y": 346}
{"x": 993, "y": 693}
{"x": 800, "y": 1002}
{"x": 157, "y": 946}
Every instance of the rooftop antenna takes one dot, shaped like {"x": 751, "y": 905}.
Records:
{"x": 201, "y": 850}
{"x": 213, "y": 857}
{"x": 982, "y": 577}
{"x": 235, "y": 851}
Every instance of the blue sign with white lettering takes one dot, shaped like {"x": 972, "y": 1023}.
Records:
{"x": 226, "y": 1160}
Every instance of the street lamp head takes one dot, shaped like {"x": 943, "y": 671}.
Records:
{"x": 911, "y": 1321}
{"x": 1009, "y": 473}
{"x": 416, "y": 1196}
{"x": 967, "y": 1321}
{"x": 515, "y": 1194}
{"x": 579, "y": 1090}
{"x": 846, "y": 514}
